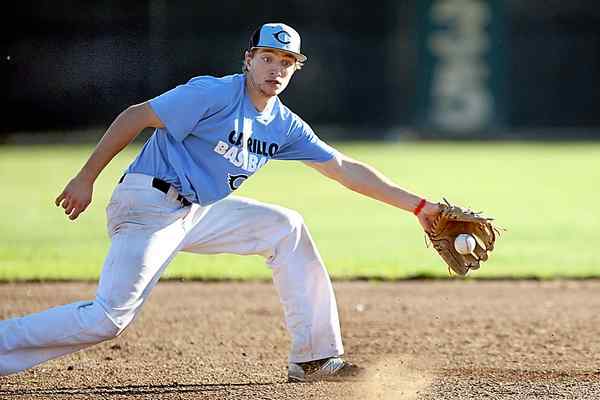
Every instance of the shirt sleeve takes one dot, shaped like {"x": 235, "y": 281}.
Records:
{"x": 182, "y": 107}
{"x": 304, "y": 145}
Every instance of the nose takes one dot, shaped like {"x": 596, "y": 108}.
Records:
{"x": 278, "y": 71}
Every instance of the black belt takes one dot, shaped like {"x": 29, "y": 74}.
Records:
{"x": 164, "y": 187}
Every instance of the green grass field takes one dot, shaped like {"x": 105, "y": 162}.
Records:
{"x": 546, "y": 195}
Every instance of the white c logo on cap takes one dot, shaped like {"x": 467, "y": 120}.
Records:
{"x": 283, "y": 37}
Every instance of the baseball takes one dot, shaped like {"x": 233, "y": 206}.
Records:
{"x": 465, "y": 243}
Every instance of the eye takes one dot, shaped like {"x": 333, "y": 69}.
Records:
{"x": 266, "y": 59}
{"x": 286, "y": 63}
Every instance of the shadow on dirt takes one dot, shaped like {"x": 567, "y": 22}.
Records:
{"x": 106, "y": 391}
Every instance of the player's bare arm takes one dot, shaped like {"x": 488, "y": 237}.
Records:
{"x": 364, "y": 179}
{"x": 77, "y": 195}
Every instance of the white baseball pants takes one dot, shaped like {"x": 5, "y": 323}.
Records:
{"x": 147, "y": 228}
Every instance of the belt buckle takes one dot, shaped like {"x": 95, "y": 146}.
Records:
{"x": 183, "y": 200}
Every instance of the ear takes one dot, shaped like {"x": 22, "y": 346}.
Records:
{"x": 247, "y": 58}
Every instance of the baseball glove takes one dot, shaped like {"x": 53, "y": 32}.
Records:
{"x": 451, "y": 222}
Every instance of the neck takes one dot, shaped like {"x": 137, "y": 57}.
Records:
{"x": 259, "y": 98}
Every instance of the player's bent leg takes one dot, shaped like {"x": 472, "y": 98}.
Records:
{"x": 243, "y": 226}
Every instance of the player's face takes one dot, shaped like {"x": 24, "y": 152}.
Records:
{"x": 270, "y": 70}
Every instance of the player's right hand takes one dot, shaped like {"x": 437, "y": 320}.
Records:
{"x": 76, "y": 197}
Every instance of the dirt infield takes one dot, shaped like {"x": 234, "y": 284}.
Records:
{"x": 419, "y": 340}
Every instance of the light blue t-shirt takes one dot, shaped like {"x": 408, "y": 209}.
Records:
{"x": 214, "y": 138}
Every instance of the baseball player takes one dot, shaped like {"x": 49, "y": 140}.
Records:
{"x": 211, "y": 135}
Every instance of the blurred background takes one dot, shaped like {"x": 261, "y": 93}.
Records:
{"x": 412, "y": 68}
{"x": 492, "y": 104}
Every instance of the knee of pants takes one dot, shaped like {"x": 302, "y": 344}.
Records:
{"x": 291, "y": 221}
{"x": 290, "y": 226}
{"x": 294, "y": 240}
{"x": 101, "y": 325}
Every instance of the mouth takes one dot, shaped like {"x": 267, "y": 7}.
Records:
{"x": 273, "y": 82}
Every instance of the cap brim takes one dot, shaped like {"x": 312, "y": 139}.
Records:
{"x": 297, "y": 56}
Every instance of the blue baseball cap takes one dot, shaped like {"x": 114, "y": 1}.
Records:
{"x": 277, "y": 36}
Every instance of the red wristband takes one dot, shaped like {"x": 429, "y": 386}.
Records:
{"x": 419, "y": 207}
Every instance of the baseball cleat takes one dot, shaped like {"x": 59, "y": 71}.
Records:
{"x": 333, "y": 368}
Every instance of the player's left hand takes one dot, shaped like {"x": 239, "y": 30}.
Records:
{"x": 453, "y": 221}
{"x": 429, "y": 212}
